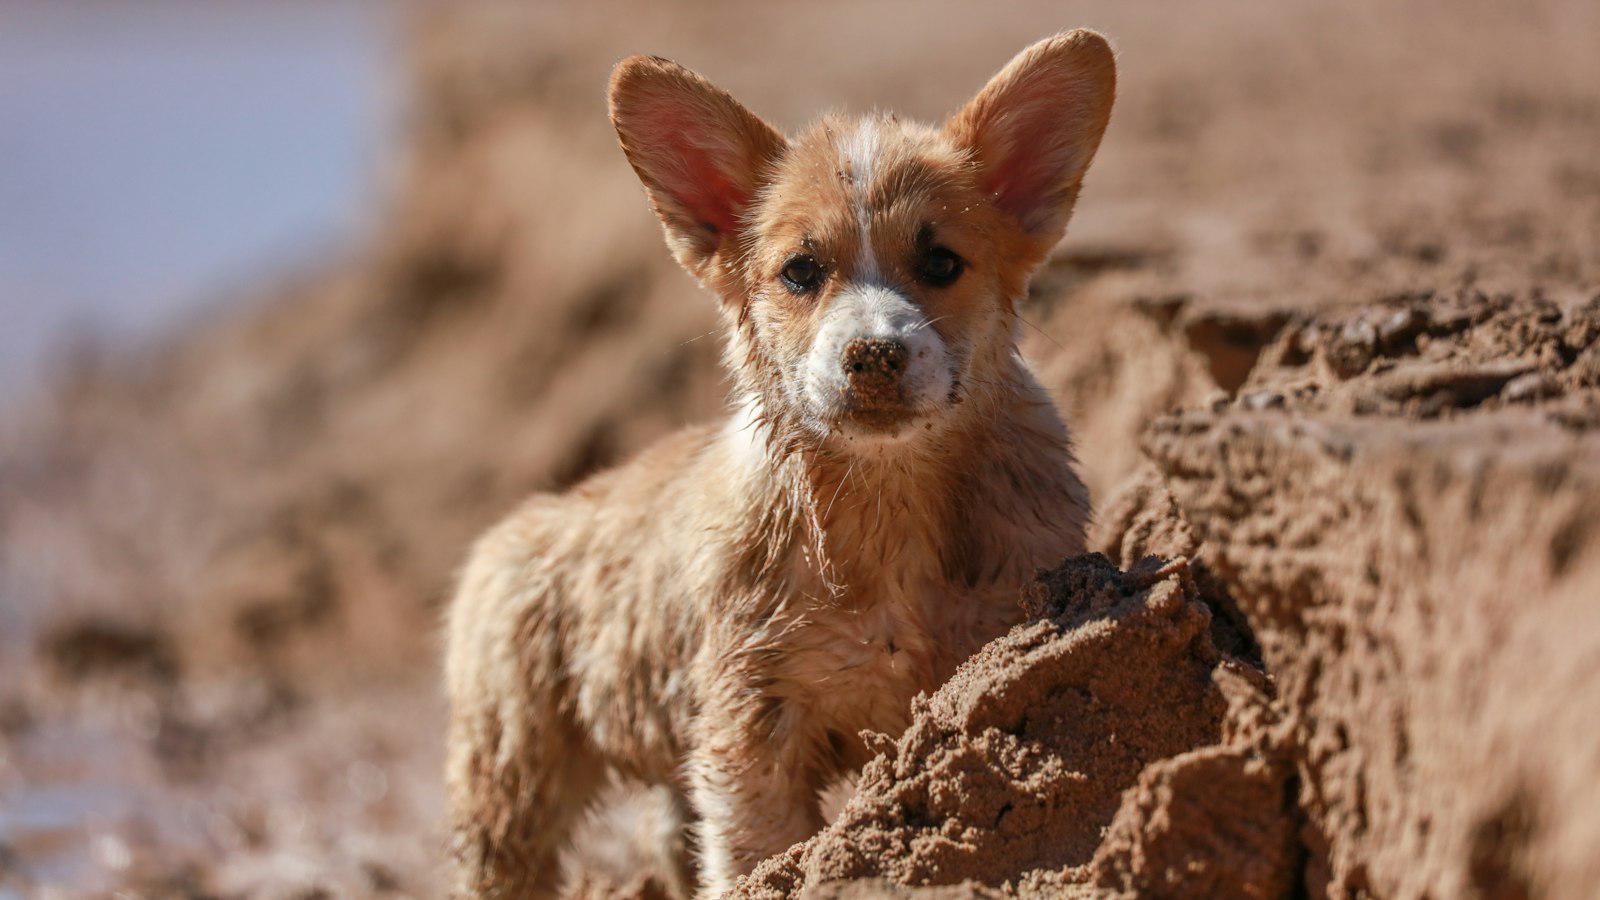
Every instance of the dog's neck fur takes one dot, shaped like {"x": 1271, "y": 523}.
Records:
{"x": 863, "y": 511}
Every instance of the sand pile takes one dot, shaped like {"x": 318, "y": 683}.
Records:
{"x": 1408, "y": 521}
{"x": 1012, "y": 771}
{"x": 1403, "y": 530}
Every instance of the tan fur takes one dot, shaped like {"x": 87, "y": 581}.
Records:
{"x": 729, "y": 611}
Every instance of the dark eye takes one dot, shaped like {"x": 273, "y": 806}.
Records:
{"x": 801, "y": 274}
{"x": 939, "y": 266}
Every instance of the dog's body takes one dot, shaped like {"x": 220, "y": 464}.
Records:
{"x": 728, "y": 612}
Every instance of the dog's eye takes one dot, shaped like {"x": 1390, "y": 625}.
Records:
{"x": 801, "y": 274}
{"x": 939, "y": 266}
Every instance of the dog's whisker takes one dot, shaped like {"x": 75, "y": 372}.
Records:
{"x": 1042, "y": 333}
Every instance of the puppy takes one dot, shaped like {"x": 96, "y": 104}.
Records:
{"x": 727, "y": 613}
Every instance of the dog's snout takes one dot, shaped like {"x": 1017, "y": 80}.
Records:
{"x": 875, "y": 365}
{"x": 870, "y": 362}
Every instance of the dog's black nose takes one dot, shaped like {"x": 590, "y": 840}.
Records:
{"x": 874, "y": 366}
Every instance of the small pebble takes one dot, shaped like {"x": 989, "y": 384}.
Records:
{"x": 1259, "y": 400}
{"x": 1529, "y": 387}
{"x": 1401, "y": 326}
{"x": 1352, "y": 348}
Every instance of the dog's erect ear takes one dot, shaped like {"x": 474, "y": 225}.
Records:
{"x": 1036, "y": 125}
{"x": 700, "y": 154}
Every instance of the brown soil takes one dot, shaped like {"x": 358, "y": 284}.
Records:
{"x": 1358, "y": 247}
{"x": 1410, "y": 553}
{"x": 1420, "y": 571}
{"x": 1012, "y": 772}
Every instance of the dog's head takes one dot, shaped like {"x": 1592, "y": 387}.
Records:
{"x": 870, "y": 264}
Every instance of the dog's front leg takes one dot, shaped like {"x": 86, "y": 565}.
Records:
{"x": 753, "y": 785}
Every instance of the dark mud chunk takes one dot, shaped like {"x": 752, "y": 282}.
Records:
{"x": 1497, "y": 857}
{"x": 1585, "y": 370}
{"x": 1424, "y": 354}
{"x": 1582, "y": 327}
{"x": 1398, "y": 330}
{"x": 1352, "y": 348}
{"x": 1232, "y": 340}
{"x": 90, "y": 649}
{"x": 1434, "y": 387}
{"x": 268, "y": 622}
{"x": 1296, "y": 347}
{"x": 1087, "y": 582}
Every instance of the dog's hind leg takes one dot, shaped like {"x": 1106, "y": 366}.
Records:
{"x": 519, "y": 770}
{"x": 514, "y": 807}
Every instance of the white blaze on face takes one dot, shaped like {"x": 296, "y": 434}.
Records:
{"x": 868, "y": 307}
{"x": 860, "y": 150}
{"x": 875, "y": 311}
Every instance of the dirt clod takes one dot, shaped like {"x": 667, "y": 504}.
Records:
{"x": 1014, "y": 769}
{"x": 96, "y": 649}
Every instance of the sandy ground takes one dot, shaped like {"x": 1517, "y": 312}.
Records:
{"x": 1325, "y": 322}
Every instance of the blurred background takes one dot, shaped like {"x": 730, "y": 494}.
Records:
{"x": 160, "y": 156}
{"x": 296, "y": 297}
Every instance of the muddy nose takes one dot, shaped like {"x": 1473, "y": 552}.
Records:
{"x": 874, "y": 363}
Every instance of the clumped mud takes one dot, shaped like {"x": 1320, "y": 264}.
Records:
{"x": 1324, "y": 326}
{"x": 1011, "y": 773}
{"x": 1433, "y": 355}
{"x": 1411, "y": 535}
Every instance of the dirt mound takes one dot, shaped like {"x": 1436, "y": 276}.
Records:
{"x": 1397, "y": 510}
{"x": 1012, "y": 771}
{"x": 1362, "y": 252}
{"x": 1411, "y": 536}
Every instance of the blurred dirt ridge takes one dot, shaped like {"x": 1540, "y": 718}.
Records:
{"x": 1326, "y": 326}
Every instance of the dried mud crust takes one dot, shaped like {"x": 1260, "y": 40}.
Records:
{"x": 1404, "y": 500}
{"x": 1432, "y": 355}
{"x": 1105, "y": 748}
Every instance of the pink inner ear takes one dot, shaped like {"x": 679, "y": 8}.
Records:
{"x": 711, "y": 198}
{"x": 699, "y": 185}
{"x": 1016, "y": 189}
{"x": 1023, "y": 178}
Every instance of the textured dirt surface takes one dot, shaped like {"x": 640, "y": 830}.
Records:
{"x": 1358, "y": 246}
{"x": 1420, "y": 570}
{"x": 1413, "y": 560}
{"x": 1013, "y": 770}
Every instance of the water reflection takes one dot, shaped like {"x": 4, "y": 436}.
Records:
{"x": 155, "y": 159}
{"x": 157, "y": 156}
